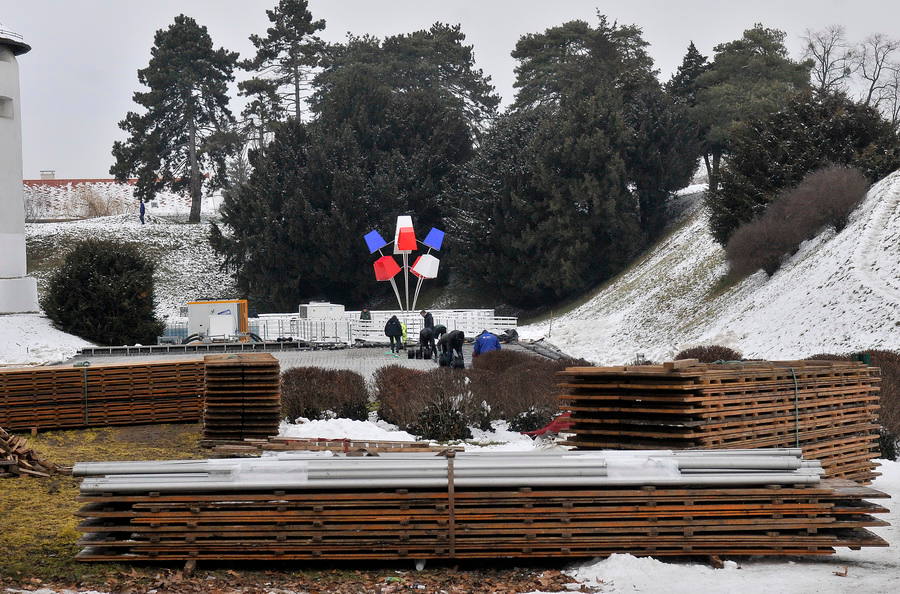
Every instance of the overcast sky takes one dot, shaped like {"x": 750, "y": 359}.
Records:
{"x": 78, "y": 79}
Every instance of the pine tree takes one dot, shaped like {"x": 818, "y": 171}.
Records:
{"x": 748, "y": 77}
{"x": 185, "y": 131}
{"x": 683, "y": 84}
{"x": 285, "y": 57}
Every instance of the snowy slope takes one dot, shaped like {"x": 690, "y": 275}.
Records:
{"x": 839, "y": 293}
{"x": 187, "y": 266}
{"x": 65, "y": 199}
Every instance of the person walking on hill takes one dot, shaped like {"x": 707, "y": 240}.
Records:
{"x": 485, "y": 343}
{"x": 394, "y": 332}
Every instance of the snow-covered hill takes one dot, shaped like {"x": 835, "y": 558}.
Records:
{"x": 187, "y": 267}
{"x": 838, "y": 293}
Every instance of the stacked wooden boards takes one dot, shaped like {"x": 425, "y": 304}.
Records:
{"x": 243, "y": 397}
{"x": 828, "y": 408}
{"x": 61, "y": 397}
{"x": 255, "y": 447}
{"x": 17, "y": 459}
{"x": 129, "y": 516}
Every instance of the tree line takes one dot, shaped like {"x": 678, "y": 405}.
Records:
{"x": 543, "y": 200}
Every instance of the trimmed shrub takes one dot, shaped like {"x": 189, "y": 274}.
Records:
{"x": 450, "y": 407}
{"x": 501, "y": 360}
{"x": 709, "y": 354}
{"x": 401, "y": 394}
{"x": 762, "y": 243}
{"x": 316, "y": 393}
{"x": 526, "y": 393}
{"x": 103, "y": 292}
{"x": 824, "y": 197}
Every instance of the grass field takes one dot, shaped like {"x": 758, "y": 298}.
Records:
{"x": 38, "y": 537}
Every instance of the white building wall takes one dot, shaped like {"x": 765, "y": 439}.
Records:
{"x": 17, "y": 292}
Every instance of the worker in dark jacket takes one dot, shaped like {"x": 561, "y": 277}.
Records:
{"x": 451, "y": 345}
{"x": 485, "y": 343}
{"x": 394, "y": 331}
{"x": 426, "y": 342}
{"x": 429, "y": 319}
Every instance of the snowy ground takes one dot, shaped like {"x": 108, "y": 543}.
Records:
{"x": 840, "y": 292}
{"x": 869, "y": 570}
{"x": 30, "y": 339}
{"x": 187, "y": 267}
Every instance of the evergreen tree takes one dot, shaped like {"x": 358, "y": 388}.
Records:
{"x": 683, "y": 85}
{"x": 773, "y": 152}
{"x": 547, "y": 211}
{"x": 103, "y": 292}
{"x": 263, "y": 110}
{"x": 394, "y": 124}
{"x": 185, "y": 131}
{"x": 575, "y": 58}
{"x": 285, "y": 57}
{"x": 662, "y": 153}
{"x": 748, "y": 77}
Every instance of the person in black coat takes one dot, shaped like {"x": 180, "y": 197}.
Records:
{"x": 451, "y": 343}
{"x": 429, "y": 319}
{"x": 426, "y": 342}
{"x": 394, "y": 331}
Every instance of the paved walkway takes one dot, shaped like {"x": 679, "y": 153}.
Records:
{"x": 364, "y": 360}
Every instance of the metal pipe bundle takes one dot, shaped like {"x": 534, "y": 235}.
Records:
{"x": 582, "y": 469}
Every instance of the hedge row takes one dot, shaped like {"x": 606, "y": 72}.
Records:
{"x": 440, "y": 404}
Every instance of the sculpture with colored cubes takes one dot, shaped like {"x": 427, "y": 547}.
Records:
{"x": 386, "y": 267}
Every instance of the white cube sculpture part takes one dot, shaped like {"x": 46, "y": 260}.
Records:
{"x": 426, "y": 266}
{"x": 403, "y": 222}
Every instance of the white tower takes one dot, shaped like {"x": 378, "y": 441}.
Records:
{"x": 18, "y": 293}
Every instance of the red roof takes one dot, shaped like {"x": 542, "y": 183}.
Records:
{"x": 66, "y": 182}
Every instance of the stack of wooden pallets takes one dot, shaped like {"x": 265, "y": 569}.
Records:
{"x": 243, "y": 397}
{"x": 259, "y": 513}
{"x": 828, "y": 408}
{"x": 99, "y": 395}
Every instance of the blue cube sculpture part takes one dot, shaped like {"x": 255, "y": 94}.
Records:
{"x": 375, "y": 241}
{"x": 434, "y": 239}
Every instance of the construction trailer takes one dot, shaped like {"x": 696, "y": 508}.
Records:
{"x": 220, "y": 320}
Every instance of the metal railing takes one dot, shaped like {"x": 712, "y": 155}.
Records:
{"x": 351, "y": 329}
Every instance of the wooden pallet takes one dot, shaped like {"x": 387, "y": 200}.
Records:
{"x": 479, "y": 523}
{"x": 829, "y": 408}
{"x": 243, "y": 397}
{"x": 61, "y": 397}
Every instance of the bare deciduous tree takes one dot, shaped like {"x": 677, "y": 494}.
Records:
{"x": 890, "y": 96}
{"x": 832, "y": 58}
{"x": 872, "y": 58}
